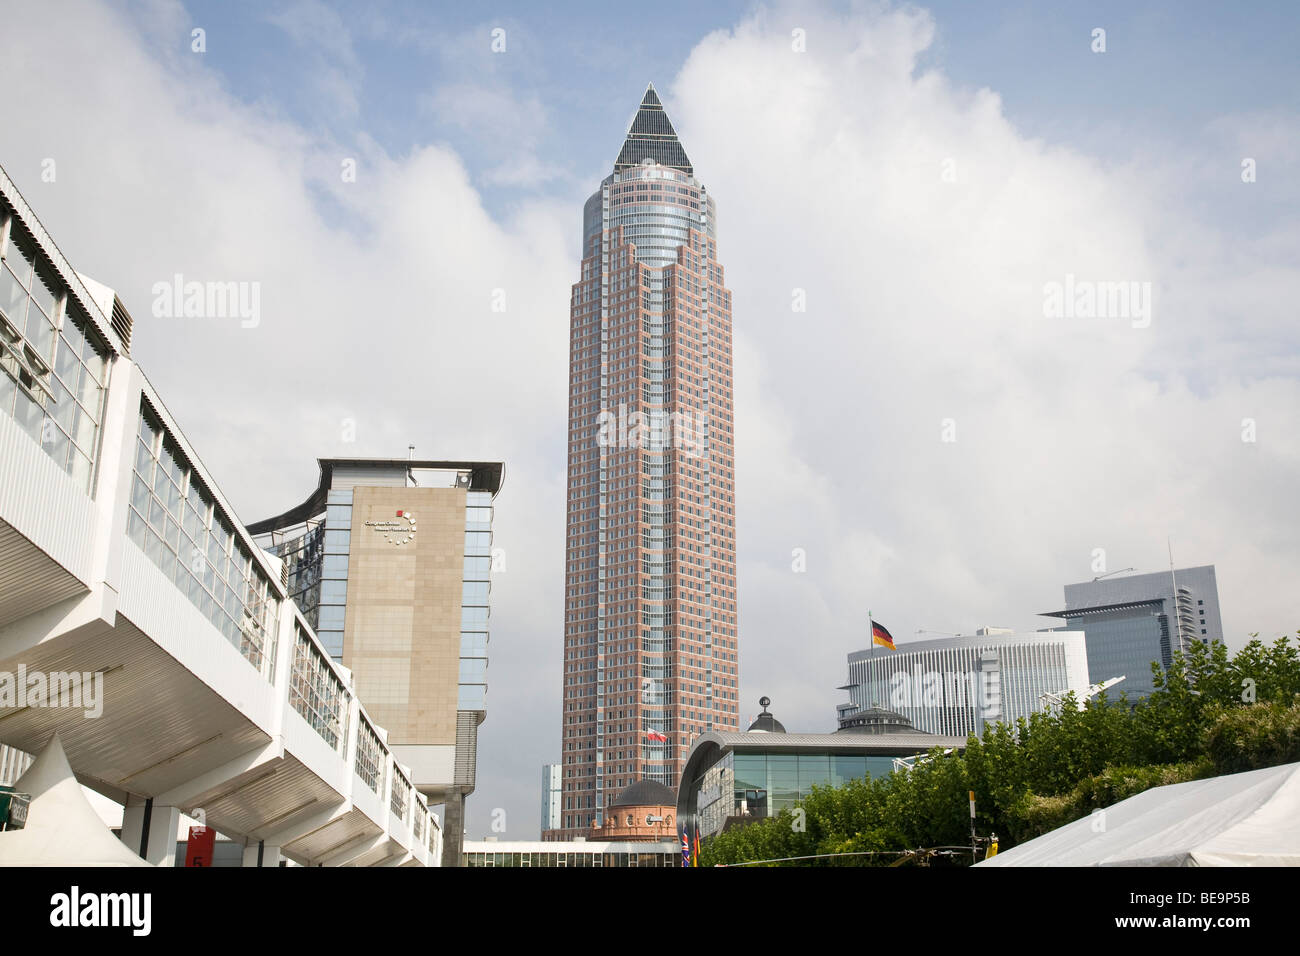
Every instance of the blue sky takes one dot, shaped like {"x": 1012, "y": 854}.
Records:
{"x": 1169, "y": 68}
{"x": 924, "y": 294}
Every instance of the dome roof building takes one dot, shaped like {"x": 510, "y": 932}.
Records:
{"x": 875, "y": 720}
{"x": 765, "y": 723}
{"x": 645, "y": 793}
{"x": 643, "y": 810}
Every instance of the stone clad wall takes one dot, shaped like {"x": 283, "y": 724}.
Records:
{"x": 402, "y": 637}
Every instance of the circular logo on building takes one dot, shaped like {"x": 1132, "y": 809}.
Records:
{"x": 398, "y": 530}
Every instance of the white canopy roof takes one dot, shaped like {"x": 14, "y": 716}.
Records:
{"x": 62, "y": 828}
{"x": 1243, "y": 819}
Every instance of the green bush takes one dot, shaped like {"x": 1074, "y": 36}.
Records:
{"x": 1248, "y": 738}
{"x": 1036, "y": 815}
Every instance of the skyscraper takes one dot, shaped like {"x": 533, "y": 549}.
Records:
{"x": 650, "y": 643}
{"x": 1132, "y": 621}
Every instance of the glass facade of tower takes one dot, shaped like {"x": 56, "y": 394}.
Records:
{"x": 316, "y": 565}
{"x": 1126, "y": 642}
{"x": 650, "y": 642}
{"x": 1138, "y": 620}
{"x": 474, "y": 611}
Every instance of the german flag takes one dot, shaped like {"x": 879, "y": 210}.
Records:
{"x": 881, "y": 636}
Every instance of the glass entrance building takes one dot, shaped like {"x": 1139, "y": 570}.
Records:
{"x": 733, "y": 778}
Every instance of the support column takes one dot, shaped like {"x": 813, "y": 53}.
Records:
{"x": 150, "y": 829}
{"x": 258, "y": 853}
{"x": 453, "y": 828}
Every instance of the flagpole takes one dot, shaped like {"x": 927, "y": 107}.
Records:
{"x": 871, "y": 662}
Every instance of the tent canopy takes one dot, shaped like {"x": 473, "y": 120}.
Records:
{"x": 1242, "y": 819}
{"x": 62, "y": 827}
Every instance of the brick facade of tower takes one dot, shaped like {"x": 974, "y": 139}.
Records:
{"x": 650, "y": 630}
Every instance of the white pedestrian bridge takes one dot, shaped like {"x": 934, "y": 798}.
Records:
{"x": 122, "y": 567}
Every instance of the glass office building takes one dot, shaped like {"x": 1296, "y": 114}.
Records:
{"x": 1131, "y": 622}
{"x": 551, "y": 797}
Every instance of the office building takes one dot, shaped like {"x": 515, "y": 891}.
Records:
{"x": 955, "y": 685}
{"x": 650, "y": 628}
{"x": 1131, "y": 622}
{"x": 550, "y": 797}
{"x": 390, "y": 560}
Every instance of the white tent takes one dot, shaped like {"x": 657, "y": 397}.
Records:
{"x": 1243, "y": 819}
{"x": 62, "y": 828}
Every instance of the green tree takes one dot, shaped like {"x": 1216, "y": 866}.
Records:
{"x": 1055, "y": 766}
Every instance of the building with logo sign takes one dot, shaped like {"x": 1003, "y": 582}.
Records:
{"x": 390, "y": 561}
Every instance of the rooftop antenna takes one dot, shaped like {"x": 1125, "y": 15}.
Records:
{"x": 1109, "y": 573}
{"x": 410, "y": 475}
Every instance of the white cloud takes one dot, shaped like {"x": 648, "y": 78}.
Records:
{"x": 925, "y": 302}
{"x": 506, "y": 127}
